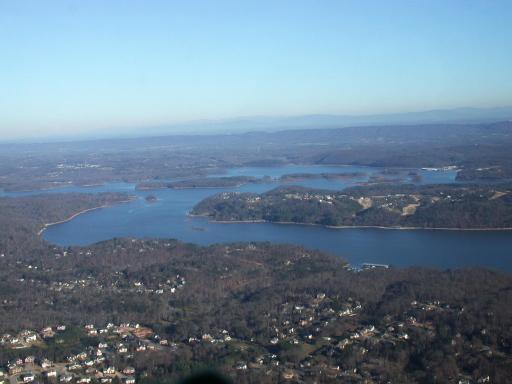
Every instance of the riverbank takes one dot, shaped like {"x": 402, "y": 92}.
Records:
{"x": 182, "y": 188}
{"x": 348, "y": 226}
{"x": 47, "y": 225}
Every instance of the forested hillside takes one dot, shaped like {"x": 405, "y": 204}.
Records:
{"x": 381, "y": 205}
{"x": 255, "y": 312}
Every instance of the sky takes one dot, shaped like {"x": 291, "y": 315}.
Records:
{"x": 75, "y": 67}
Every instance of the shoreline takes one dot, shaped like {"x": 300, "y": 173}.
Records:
{"x": 502, "y": 229}
{"x": 47, "y": 225}
{"x": 182, "y": 188}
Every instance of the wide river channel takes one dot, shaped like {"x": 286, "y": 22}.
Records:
{"x": 167, "y": 218}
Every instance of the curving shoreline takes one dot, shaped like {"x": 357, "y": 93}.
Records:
{"x": 182, "y": 188}
{"x": 47, "y": 225}
{"x": 504, "y": 229}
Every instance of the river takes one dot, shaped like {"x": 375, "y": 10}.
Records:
{"x": 167, "y": 218}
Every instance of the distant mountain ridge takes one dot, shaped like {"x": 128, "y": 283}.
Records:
{"x": 241, "y": 124}
{"x": 248, "y": 124}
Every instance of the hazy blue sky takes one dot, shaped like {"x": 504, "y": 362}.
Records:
{"x": 71, "y": 66}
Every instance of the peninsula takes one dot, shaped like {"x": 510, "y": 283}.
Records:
{"x": 392, "y": 206}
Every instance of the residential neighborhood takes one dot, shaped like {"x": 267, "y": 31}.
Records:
{"x": 318, "y": 327}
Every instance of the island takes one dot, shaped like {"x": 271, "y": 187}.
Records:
{"x": 293, "y": 177}
{"x": 380, "y": 205}
{"x": 204, "y": 182}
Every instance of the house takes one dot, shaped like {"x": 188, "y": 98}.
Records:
{"x": 6, "y": 338}
{"x": 28, "y": 377}
{"x": 289, "y": 375}
{"x": 15, "y": 370}
{"x": 45, "y": 363}
{"x": 61, "y": 328}
{"x": 102, "y": 345}
{"x": 122, "y": 349}
{"x": 65, "y": 378}
{"x": 51, "y": 373}
{"x": 47, "y": 333}
{"x": 129, "y": 380}
{"x": 81, "y": 356}
{"x": 129, "y": 371}
{"x": 106, "y": 380}
{"x": 30, "y": 338}
{"x": 83, "y": 380}
{"x": 343, "y": 343}
{"x": 30, "y": 359}
{"x": 109, "y": 371}
{"x": 207, "y": 337}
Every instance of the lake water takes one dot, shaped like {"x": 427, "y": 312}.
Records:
{"x": 167, "y": 218}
